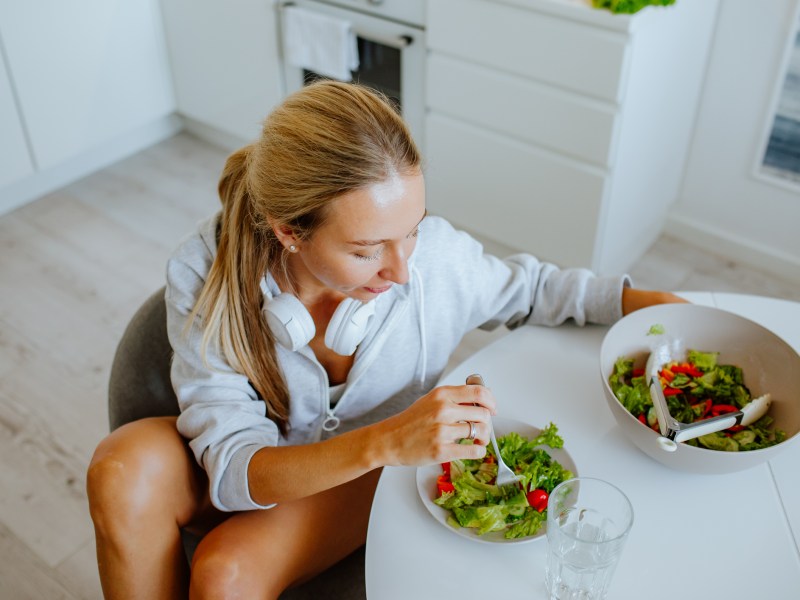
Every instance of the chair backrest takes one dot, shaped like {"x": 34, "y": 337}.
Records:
{"x": 139, "y": 385}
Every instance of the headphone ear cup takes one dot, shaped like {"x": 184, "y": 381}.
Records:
{"x": 289, "y": 321}
{"x": 348, "y": 326}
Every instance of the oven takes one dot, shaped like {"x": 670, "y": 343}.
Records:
{"x": 390, "y": 37}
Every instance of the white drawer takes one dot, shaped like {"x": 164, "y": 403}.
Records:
{"x": 536, "y": 113}
{"x": 576, "y": 56}
{"x": 513, "y": 193}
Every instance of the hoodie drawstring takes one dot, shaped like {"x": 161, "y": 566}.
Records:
{"x": 422, "y": 364}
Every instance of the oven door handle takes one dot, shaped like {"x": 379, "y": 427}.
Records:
{"x": 399, "y": 42}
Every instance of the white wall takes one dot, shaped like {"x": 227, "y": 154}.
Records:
{"x": 724, "y": 205}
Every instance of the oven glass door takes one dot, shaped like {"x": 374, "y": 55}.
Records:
{"x": 379, "y": 68}
{"x": 391, "y": 59}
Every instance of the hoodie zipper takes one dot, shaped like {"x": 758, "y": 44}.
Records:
{"x": 360, "y": 365}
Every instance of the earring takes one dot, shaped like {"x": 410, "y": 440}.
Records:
{"x": 292, "y": 248}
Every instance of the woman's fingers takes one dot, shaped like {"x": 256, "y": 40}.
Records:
{"x": 462, "y": 451}
{"x": 477, "y": 395}
{"x": 463, "y": 429}
{"x": 470, "y": 413}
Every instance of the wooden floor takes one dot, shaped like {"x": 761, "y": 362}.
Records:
{"x": 74, "y": 266}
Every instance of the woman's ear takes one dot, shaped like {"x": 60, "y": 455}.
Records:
{"x": 285, "y": 234}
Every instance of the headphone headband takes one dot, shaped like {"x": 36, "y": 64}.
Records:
{"x": 293, "y": 327}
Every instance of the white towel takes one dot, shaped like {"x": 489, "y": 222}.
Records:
{"x": 319, "y": 43}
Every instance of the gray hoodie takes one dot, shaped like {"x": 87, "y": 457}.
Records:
{"x": 453, "y": 288}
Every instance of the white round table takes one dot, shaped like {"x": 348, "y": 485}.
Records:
{"x": 731, "y": 536}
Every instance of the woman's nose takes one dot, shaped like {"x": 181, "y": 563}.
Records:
{"x": 395, "y": 268}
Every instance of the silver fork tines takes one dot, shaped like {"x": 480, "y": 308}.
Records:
{"x": 505, "y": 476}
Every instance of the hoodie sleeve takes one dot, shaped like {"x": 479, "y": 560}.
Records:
{"x": 221, "y": 414}
{"x": 519, "y": 289}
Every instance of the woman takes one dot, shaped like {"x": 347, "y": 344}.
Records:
{"x": 310, "y": 320}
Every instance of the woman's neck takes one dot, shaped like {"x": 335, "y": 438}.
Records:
{"x": 298, "y": 281}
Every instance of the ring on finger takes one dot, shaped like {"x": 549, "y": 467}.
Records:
{"x": 472, "y": 431}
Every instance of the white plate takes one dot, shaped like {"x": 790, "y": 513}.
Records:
{"x": 426, "y": 485}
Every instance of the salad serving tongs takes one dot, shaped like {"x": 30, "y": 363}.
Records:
{"x": 505, "y": 476}
{"x": 674, "y": 431}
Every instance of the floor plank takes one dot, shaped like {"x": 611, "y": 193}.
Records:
{"x": 25, "y": 577}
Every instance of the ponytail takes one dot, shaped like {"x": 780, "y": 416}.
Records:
{"x": 231, "y": 299}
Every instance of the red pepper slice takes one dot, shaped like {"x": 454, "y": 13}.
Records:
{"x": 667, "y": 374}
{"x": 643, "y": 420}
{"x": 687, "y": 369}
{"x": 637, "y": 373}
{"x": 444, "y": 485}
{"x": 706, "y": 406}
{"x": 722, "y": 409}
{"x": 446, "y": 468}
{"x": 671, "y": 391}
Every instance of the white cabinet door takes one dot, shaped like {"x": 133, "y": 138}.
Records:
{"x": 225, "y": 65}
{"x": 515, "y": 193}
{"x": 15, "y": 159}
{"x": 85, "y": 72}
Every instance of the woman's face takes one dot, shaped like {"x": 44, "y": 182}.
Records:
{"x": 364, "y": 246}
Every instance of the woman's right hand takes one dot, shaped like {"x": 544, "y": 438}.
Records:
{"x": 429, "y": 431}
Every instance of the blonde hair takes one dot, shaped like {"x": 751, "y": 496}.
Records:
{"x": 325, "y": 140}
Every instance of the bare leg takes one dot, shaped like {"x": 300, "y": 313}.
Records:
{"x": 143, "y": 486}
{"x": 259, "y": 554}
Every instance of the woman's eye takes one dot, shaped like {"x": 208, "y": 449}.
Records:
{"x": 369, "y": 257}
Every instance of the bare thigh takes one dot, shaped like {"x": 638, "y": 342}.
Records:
{"x": 147, "y": 465}
{"x": 258, "y": 554}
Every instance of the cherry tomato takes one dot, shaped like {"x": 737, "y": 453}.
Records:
{"x": 538, "y": 499}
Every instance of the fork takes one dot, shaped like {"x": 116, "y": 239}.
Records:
{"x": 505, "y": 476}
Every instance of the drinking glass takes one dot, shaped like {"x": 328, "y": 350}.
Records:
{"x": 588, "y": 521}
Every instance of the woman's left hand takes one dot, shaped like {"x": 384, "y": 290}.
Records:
{"x": 634, "y": 299}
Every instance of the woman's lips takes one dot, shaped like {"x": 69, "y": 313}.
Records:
{"x": 379, "y": 290}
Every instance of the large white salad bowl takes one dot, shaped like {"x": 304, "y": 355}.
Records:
{"x": 769, "y": 365}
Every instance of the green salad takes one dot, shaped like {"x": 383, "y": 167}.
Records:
{"x": 466, "y": 487}
{"x": 628, "y": 6}
{"x": 696, "y": 389}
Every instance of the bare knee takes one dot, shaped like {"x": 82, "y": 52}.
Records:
{"x": 130, "y": 472}
{"x": 225, "y": 573}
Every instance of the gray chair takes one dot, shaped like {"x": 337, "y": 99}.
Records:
{"x": 139, "y": 386}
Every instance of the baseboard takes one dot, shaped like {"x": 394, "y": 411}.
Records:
{"x": 721, "y": 243}
{"x": 46, "y": 181}
{"x": 212, "y": 135}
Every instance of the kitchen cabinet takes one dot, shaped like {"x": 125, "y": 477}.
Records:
{"x": 225, "y": 65}
{"x": 84, "y": 72}
{"x": 559, "y": 129}
{"x": 87, "y": 83}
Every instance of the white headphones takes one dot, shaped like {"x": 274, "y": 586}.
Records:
{"x": 293, "y": 327}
